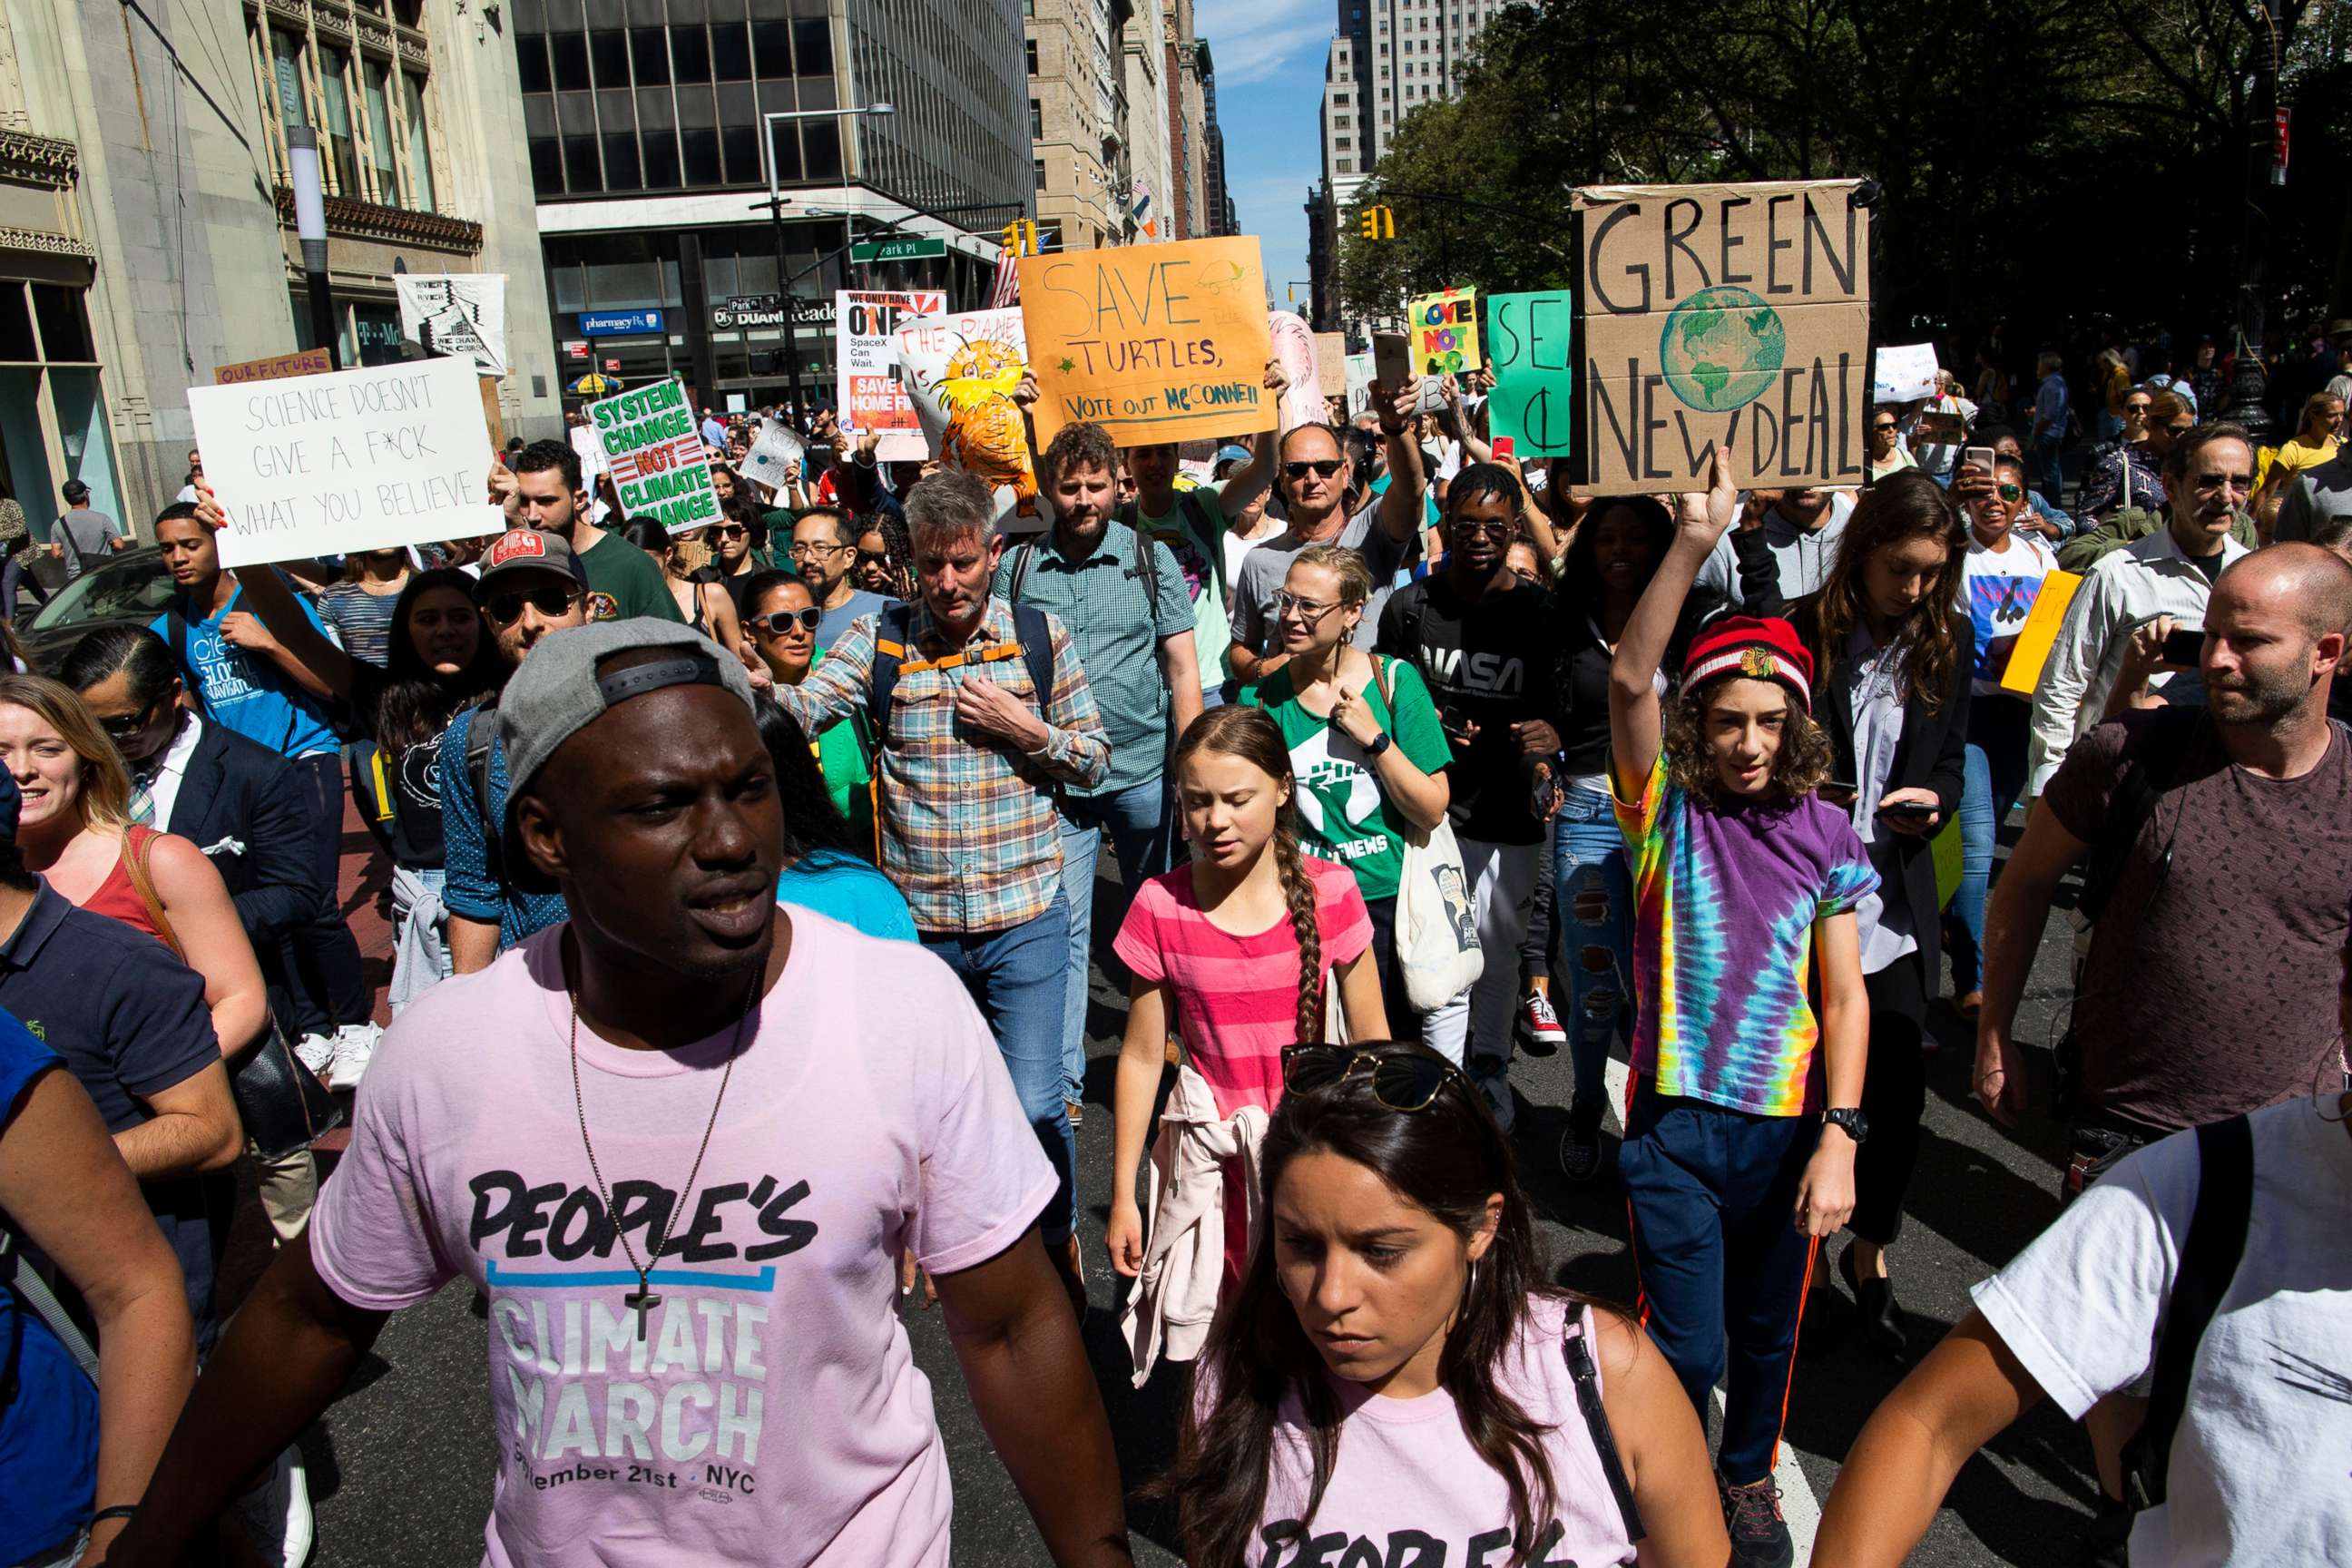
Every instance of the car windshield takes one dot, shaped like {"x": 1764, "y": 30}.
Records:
{"x": 128, "y": 586}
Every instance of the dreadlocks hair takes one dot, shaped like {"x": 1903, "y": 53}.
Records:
{"x": 1249, "y": 734}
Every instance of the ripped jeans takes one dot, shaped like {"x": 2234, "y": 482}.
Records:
{"x": 1592, "y": 926}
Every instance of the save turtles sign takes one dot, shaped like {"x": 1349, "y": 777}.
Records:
{"x": 656, "y": 456}
{"x": 1733, "y": 316}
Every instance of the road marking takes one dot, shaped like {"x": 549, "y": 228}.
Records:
{"x": 1798, "y": 1505}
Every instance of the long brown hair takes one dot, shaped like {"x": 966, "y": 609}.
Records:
{"x": 105, "y": 799}
{"x": 1801, "y": 766}
{"x": 1901, "y": 506}
{"x": 1446, "y": 1159}
{"x": 1249, "y": 734}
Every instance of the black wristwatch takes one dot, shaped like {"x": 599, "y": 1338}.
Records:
{"x": 1850, "y": 1117}
{"x": 1381, "y": 743}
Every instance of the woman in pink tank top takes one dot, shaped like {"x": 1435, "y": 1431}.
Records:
{"x": 1393, "y": 1382}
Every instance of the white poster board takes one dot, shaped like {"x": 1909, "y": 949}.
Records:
{"x": 866, "y": 365}
{"x": 352, "y": 461}
{"x": 457, "y": 314}
{"x": 1904, "y": 373}
{"x": 775, "y": 456}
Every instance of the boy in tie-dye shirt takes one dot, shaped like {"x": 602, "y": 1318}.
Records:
{"x": 1745, "y": 1113}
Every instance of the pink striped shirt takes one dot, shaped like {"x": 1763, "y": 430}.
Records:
{"x": 1237, "y": 997}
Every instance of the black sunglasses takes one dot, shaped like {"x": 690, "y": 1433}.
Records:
{"x": 874, "y": 558}
{"x": 1322, "y": 468}
{"x": 776, "y": 623}
{"x": 122, "y": 726}
{"x": 554, "y": 599}
{"x": 1403, "y": 1077}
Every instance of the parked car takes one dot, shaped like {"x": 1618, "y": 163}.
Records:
{"x": 132, "y": 586}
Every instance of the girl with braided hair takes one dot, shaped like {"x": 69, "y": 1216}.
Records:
{"x": 1235, "y": 951}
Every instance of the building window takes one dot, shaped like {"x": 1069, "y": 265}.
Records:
{"x": 1032, "y": 49}
{"x": 1040, "y": 169}
{"x": 649, "y": 56}
{"x": 1340, "y": 121}
{"x": 420, "y": 152}
{"x": 374, "y": 134}
{"x": 1346, "y": 166}
{"x": 382, "y": 152}
{"x": 570, "y": 52}
{"x": 1037, "y": 121}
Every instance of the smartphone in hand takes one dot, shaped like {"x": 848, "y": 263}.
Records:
{"x": 2185, "y": 646}
{"x": 1503, "y": 448}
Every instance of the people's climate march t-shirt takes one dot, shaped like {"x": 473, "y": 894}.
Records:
{"x": 1342, "y": 813}
{"x": 2257, "y": 1470}
{"x": 772, "y": 1411}
{"x": 2002, "y": 585}
{"x": 1734, "y": 894}
{"x": 2210, "y": 985}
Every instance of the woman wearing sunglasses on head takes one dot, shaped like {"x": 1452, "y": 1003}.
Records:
{"x": 685, "y": 561}
{"x": 1369, "y": 751}
{"x": 1392, "y": 1380}
{"x": 780, "y": 625}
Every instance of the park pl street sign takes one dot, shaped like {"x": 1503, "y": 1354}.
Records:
{"x": 896, "y": 250}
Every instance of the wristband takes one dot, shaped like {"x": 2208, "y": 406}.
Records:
{"x": 120, "y": 1510}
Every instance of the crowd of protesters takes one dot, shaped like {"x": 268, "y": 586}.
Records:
{"x": 1412, "y": 758}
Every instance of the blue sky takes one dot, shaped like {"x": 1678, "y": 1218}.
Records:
{"x": 1269, "y": 59}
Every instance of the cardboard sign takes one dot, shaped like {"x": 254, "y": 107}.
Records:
{"x": 1529, "y": 343}
{"x": 1331, "y": 364}
{"x": 870, "y": 396}
{"x": 774, "y": 456}
{"x": 1732, "y": 316}
{"x": 2040, "y": 633}
{"x": 960, "y": 369}
{"x": 1444, "y": 333}
{"x": 310, "y": 362}
{"x": 1902, "y": 375}
{"x": 350, "y": 460}
{"x": 655, "y": 457}
{"x": 1293, "y": 348}
{"x": 1153, "y": 343}
{"x": 1359, "y": 383}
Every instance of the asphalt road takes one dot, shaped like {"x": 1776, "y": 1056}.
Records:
{"x": 401, "y": 1468}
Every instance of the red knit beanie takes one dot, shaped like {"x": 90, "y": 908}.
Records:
{"x": 1758, "y": 647}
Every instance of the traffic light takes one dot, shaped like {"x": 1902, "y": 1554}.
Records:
{"x": 1379, "y": 223}
{"x": 1021, "y": 238}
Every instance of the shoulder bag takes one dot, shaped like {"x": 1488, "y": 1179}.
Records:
{"x": 1437, "y": 923}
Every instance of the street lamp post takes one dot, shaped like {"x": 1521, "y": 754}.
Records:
{"x": 767, "y": 123}
{"x": 310, "y": 227}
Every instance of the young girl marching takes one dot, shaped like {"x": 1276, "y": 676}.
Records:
{"x": 1234, "y": 950}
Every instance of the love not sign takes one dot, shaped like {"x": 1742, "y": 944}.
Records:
{"x": 351, "y": 460}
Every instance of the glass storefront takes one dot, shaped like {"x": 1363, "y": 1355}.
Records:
{"x": 53, "y": 425}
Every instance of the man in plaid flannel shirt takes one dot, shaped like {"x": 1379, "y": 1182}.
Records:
{"x": 967, "y": 771}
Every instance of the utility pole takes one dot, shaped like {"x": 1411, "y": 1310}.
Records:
{"x": 2249, "y": 385}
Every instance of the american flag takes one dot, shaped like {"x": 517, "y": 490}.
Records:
{"x": 683, "y": 451}
{"x": 1006, "y": 290}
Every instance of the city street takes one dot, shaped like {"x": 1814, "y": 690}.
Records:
{"x": 401, "y": 1468}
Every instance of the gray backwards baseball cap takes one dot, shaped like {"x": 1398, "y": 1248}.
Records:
{"x": 557, "y": 692}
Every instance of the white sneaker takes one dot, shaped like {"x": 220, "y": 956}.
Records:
{"x": 316, "y": 1052}
{"x": 276, "y": 1515}
{"x": 354, "y": 1048}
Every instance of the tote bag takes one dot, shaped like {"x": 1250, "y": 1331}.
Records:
{"x": 1436, "y": 922}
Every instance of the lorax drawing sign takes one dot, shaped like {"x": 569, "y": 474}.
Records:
{"x": 1723, "y": 315}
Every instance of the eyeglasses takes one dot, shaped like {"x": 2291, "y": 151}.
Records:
{"x": 1402, "y": 1078}
{"x": 1323, "y": 468}
{"x": 2243, "y": 484}
{"x": 554, "y": 599}
{"x": 2009, "y": 492}
{"x": 2137, "y": 407}
{"x": 729, "y": 531}
{"x": 1287, "y": 603}
{"x": 1471, "y": 527}
{"x": 803, "y": 552}
{"x": 123, "y": 726}
{"x": 874, "y": 558}
{"x": 780, "y": 623}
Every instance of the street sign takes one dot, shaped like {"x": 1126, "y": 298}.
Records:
{"x": 614, "y": 323}
{"x": 742, "y": 310}
{"x": 577, "y": 347}
{"x": 612, "y": 364}
{"x": 896, "y": 250}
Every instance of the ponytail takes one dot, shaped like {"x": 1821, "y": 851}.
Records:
{"x": 1253, "y": 737}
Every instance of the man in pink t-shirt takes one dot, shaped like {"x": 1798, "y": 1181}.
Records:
{"x": 771, "y": 1107}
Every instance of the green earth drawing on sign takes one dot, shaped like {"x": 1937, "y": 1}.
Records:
{"x": 1721, "y": 349}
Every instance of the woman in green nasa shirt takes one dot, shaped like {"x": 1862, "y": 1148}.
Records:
{"x": 1369, "y": 761}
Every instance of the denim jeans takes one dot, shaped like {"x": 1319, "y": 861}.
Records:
{"x": 320, "y": 958}
{"x": 1994, "y": 776}
{"x": 1592, "y": 915}
{"x": 1503, "y": 886}
{"x": 1139, "y": 819}
{"x": 1018, "y": 976}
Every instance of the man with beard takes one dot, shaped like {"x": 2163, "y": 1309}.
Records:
{"x": 682, "y": 1186}
{"x": 1124, "y": 598}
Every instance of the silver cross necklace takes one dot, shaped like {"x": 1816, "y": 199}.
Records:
{"x": 645, "y": 1299}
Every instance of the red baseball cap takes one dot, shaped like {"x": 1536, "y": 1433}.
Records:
{"x": 1759, "y": 648}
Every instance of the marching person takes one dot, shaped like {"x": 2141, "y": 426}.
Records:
{"x": 542, "y": 488}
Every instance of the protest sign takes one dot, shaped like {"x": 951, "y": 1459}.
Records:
{"x": 960, "y": 369}
{"x": 1154, "y": 342}
{"x": 775, "y": 457}
{"x": 865, "y": 362}
{"x": 1528, "y": 341}
{"x": 1733, "y": 316}
{"x": 655, "y": 457}
{"x": 276, "y": 367}
{"x": 2031, "y": 650}
{"x": 1294, "y": 350}
{"x": 462, "y": 314}
{"x": 1444, "y": 333}
{"x": 1359, "y": 383}
{"x": 1331, "y": 364}
{"x": 350, "y": 460}
{"x": 1904, "y": 373}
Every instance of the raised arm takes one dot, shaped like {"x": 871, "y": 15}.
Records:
{"x": 1636, "y": 725}
{"x": 1249, "y": 481}
{"x": 1401, "y": 508}
{"x": 300, "y": 646}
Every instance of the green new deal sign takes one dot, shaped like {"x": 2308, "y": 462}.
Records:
{"x": 896, "y": 250}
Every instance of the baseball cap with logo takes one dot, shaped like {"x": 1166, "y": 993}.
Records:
{"x": 529, "y": 550}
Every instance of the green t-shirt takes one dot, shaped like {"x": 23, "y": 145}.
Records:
{"x": 1342, "y": 813}
{"x": 1193, "y": 531}
{"x": 623, "y": 582}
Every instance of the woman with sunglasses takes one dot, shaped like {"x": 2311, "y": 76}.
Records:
{"x": 1368, "y": 748}
{"x": 1887, "y": 453}
{"x": 2127, "y": 475}
{"x": 1393, "y": 1379}
{"x": 685, "y": 558}
{"x": 2006, "y": 566}
{"x": 885, "y": 558}
{"x": 781, "y": 634}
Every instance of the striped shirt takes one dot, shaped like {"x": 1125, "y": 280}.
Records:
{"x": 969, "y": 831}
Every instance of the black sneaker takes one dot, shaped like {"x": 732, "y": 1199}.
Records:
{"x": 1759, "y": 1537}
{"x": 1580, "y": 1146}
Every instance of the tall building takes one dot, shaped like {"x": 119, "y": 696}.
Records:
{"x": 1222, "y": 215}
{"x": 1144, "y": 59}
{"x": 147, "y": 224}
{"x": 1078, "y": 120}
{"x": 645, "y": 121}
{"x": 1188, "y": 157}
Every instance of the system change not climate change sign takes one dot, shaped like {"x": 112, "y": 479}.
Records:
{"x": 1723, "y": 315}
{"x": 656, "y": 455}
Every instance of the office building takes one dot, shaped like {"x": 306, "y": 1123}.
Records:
{"x": 1079, "y": 121}
{"x": 1217, "y": 199}
{"x": 147, "y": 223}
{"x": 645, "y": 124}
{"x": 1143, "y": 57}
